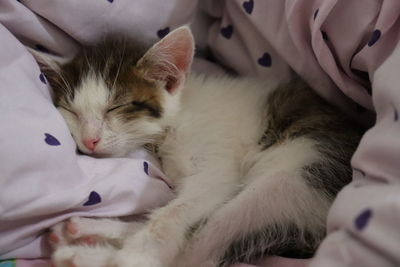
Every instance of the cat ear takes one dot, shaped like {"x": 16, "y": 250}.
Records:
{"x": 170, "y": 59}
{"x": 47, "y": 62}
{"x": 50, "y": 66}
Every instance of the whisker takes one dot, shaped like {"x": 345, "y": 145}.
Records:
{"x": 119, "y": 66}
{"x": 87, "y": 59}
{"x": 67, "y": 86}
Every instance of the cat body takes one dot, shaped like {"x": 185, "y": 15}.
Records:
{"x": 255, "y": 165}
{"x": 228, "y": 128}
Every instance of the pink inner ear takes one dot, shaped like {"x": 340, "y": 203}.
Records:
{"x": 180, "y": 53}
{"x": 177, "y": 48}
{"x": 171, "y": 58}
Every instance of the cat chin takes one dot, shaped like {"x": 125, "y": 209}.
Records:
{"x": 102, "y": 154}
{"x": 114, "y": 152}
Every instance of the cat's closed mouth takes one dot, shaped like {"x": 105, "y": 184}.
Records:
{"x": 94, "y": 154}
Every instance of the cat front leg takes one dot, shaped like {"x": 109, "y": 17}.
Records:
{"x": 83, "y": 256}
{"x": 90, "y": 231}
{"x": 158, "y": 243}
{"x": 89, "y": 242}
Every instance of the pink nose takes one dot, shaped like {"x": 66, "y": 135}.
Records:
{"x": 91, "y": 143}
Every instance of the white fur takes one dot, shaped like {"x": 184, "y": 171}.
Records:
{"x": 91, "y": 121}
{"x": 211, "y": 152}
{"x": 92, "y": 100}
{"x": 273, "y": 192}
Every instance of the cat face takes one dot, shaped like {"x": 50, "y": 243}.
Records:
{"x": 115, "y": 97}
{"x": 110, "y": 120}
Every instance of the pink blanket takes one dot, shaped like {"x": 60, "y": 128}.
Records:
{"x": 346, "y": 49}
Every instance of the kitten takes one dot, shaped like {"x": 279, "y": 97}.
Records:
{"x": 255, "y": 165}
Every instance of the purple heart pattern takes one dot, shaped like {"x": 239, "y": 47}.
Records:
{"x": 163, "y": 32}
{"x": 227, "y": 31}
{"x": 265, "y": 60}
{"x": 374, "y": 37}
{"x": 42, "y": 78}
{"x": 51, "y": 140}
{"x": 248, "y": 6}
{"x": 93, "y": 199}
{"x": 146, "y": 168}
{"x": 363, "y": 219}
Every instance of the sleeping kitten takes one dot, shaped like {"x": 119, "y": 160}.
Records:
{"x": 255, "y": 165}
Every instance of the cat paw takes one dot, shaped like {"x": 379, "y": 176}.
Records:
{"x": 59, "y": 235}
{"x": 76, "y": 230}
{"x": 83, "y": 256}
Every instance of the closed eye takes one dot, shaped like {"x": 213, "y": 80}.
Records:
{"x": 116, "y": 107}
{"x": 67, "y": 109}
{"x": 139, "y": 105}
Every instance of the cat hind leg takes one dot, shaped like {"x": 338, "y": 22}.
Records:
{"x": 276, "y": 211}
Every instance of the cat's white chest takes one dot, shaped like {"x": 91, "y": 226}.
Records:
{"x": 180, "y": 156}
{"x": 219, "y": 120}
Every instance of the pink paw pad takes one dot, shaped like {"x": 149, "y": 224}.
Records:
{"x": 71, "y": 228}
{"x": 53, "y": 238}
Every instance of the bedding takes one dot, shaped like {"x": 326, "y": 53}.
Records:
{"x": 346, "y": 49}
{"x": 269, "y": 261}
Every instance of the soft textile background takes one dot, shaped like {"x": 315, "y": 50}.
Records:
{"x": 346, "y": 49}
